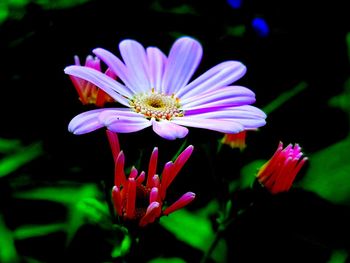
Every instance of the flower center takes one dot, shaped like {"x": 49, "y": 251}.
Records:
{"x": 157, "y": 105}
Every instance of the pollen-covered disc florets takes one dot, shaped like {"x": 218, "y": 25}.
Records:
{"x": 157, "y": 105}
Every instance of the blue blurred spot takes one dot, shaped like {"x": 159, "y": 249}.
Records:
{"x": 260, "y": 26}
{"x": 235, "y": 3}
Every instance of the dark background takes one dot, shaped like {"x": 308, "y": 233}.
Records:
{"x": 306, "y": 42}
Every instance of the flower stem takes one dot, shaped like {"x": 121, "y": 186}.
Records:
{"x": 213, "y": 245}
{"x": 109, "y": 201}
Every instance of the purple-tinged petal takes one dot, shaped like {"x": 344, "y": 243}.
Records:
{"x": 251, "y": 109}
{"x": 107, "y": 84}
{"x": 156, "y": 62}
{"x": 184, "y": 58}
{"x": 169, "y": 130}
{"x": 221, "y": 103}
{"x": 225, "y": 126}
{"x": 133, "y": 173}
{"x": 154, "y": 195}
{"x": 118, "y": 67}
{"x": 245, "y": 110}
{"x": 77, "y": 60}
{"x": 250, "y": 123}
{"x": 123, "y": 112}
{"x": 126, "y": 127}
{"x": 152, "y": 213}
{"x": 110, "y": 115}
{"x": 155, "y": 181}
{"x": 119, "y": 123}
{"x": 218, "y": 94}
{"x": 228, "y": 113}
{"x": 135, "y": 59}
{"x": 249, "y": 117}
{"x": 180, "y": 203}
{"x": 221, "y": 75}
{"x": 92, "y": 62}
{"x": 85, "y": 122}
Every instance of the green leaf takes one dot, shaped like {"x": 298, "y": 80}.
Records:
{"x": 82, "y": 201}
{"x": 195, "y": 229}
{"x": 338, "y": 256}
{"x": 121, "y": 249}
{"x": 8, "y": 252}
{"x": 8, "y": 145}
{"x": 248, "y": 173}
{"x": 28, "y": 231}
{"x": 22, "y": 156}
{"x": 328, "y": 174}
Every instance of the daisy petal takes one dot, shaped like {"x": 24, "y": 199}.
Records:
{"x": 85, "y": 122}
{"x": 107, "y": 84}
{"x": 217, "y": 94}
{"x": 156, "y": 61}
{"x": 135, "y": 59}
{"x": 228, "y": 113}
{"x": 221, "y": 75}
{"x": 225, "y": 97}
{"x": 123, "y": 122}
{"x": 117, "y": 66}
{"x": 169, "y": 130}
{"x": 183, "y": 60}
{"x": 225, "y": 126}
{"x": 252, "y": 109}
{"x": 250, "y": 123}
{"x": 228, "y": 102}
{"x": 251, "y": 117}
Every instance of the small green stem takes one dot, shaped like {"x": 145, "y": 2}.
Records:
{"x": 213, "y": 245}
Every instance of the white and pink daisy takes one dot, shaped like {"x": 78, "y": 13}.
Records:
{"x": 156, "y": 91}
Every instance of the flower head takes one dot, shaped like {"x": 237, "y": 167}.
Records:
{"x": 156, "y": 91}
{"x": 88, "y": 92}
{"x": 278, "y": 174}
{"x": 141, "y": 199}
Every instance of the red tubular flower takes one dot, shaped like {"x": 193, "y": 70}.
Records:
{"x": 235, "y": 140}
{"x": 143, "y": 202}
{"x": 88, "y": 92}
{"x": 278, "y": 174}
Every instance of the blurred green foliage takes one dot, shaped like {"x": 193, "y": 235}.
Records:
{"x": 329, "y": 171}
{"x": 338, "y": 256}
{"x": 195, "y": 229}
{"x": 17, "y": 158}
{"x": 15, "y": 9}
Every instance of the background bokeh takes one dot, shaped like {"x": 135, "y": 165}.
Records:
{"x": 53, "y": 198}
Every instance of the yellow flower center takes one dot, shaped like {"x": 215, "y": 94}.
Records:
{"x": 157, "y": 105}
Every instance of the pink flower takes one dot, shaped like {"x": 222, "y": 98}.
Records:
{"x": 278, "y": 174}
{"x": 88, "y": 92}
{"x": 156, "y": 91}
{"x": 141, "y": 199}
